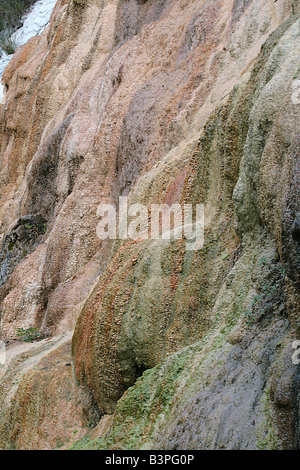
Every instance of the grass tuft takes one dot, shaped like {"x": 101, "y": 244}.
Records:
{"x": 7, "y": 44}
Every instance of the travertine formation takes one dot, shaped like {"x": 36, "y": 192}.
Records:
{"x": 147, "y": 345}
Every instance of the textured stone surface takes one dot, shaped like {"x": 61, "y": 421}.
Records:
{"x": 166, "y": 102}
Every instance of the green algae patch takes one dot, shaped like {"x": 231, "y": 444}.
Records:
{"x": 143, "y": 405}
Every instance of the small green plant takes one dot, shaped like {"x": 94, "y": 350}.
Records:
{"x": 250, "y": 316}
{"x": 296, "y": 74}
{"x": 28, "y": 335}
{"x": 8, "y": 45}
{"x": 262, "y": 261}
{"x": 11, "y": 12}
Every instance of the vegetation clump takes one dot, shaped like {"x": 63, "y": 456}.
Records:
{"x": 7, "y": 43}
{"x": 11, "y": 12}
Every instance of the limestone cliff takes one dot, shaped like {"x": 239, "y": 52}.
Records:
{"x": 146, "y": 345}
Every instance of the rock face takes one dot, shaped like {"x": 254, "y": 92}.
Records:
{"x": 165, "y": 102}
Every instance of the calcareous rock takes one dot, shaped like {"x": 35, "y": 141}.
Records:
{"x": 145, "y": 344}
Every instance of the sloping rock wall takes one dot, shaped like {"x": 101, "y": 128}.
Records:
{"x": 163, "y": 102}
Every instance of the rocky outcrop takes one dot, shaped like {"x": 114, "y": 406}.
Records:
{"x": 178, "y": 102}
